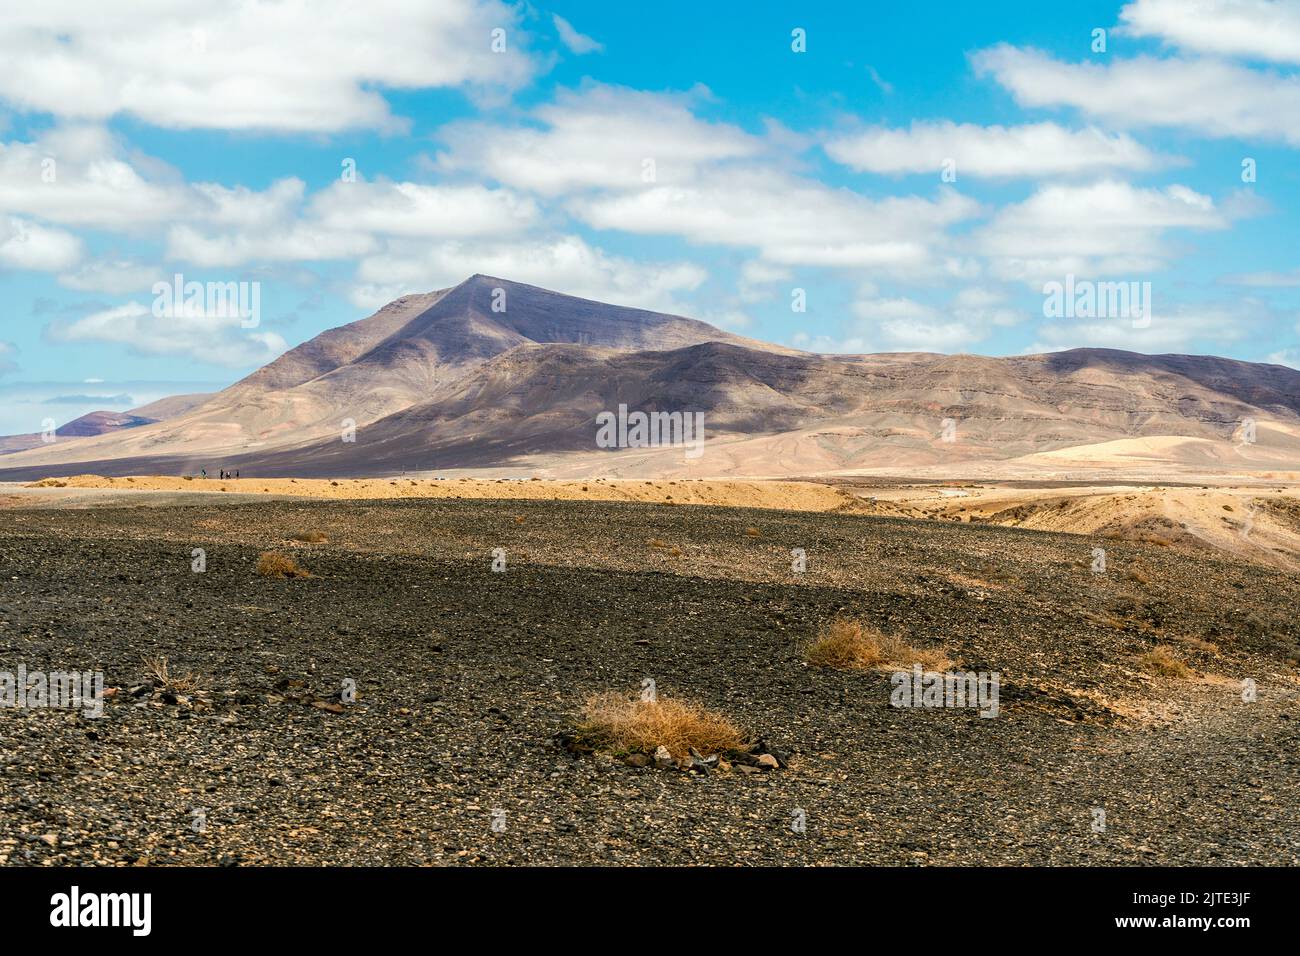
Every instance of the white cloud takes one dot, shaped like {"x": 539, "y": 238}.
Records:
{"x": 597, "y": 137}
{"x": 299, "y": 65}
{"x": 416, "y": 210}
{"x": 1105, "y": 228}
{"x": 1287, "y": 357}
{"x": 1207, "y": 96}
{"x": 1208, "y": 327}
{"x": 76, "y": 176}
{"x": 572, "y": 39}
{"x": 1258, "y": 29}
{"x": 1038, "y": 149}
{"x": 113, "y": 276}
{"x": 790, "y": 221}
{"x": 27, "y": 245}
{"x": 293, "y": 242}
{"x": 1277, "y": 280}
{"x": 564, "y": 263}
{"x": 905, "y": 325}
{"x": 207, "y": 338}
{"x": 829, "y": 345}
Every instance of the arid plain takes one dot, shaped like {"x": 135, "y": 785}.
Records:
{"x": 1123, "y": 735}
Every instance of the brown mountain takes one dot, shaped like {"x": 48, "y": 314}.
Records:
{"x": 445, "y": 381}
{"x": 398, "y": 357}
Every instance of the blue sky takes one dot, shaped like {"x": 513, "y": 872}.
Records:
{"x": 916, "y": 175}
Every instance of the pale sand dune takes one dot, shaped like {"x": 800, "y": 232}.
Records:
{"x": 1256, "y": 522}
{"x": 790, "y": 495}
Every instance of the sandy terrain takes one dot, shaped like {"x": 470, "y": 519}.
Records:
{"x": 788, "y": 495}
{"x": 1255, "y": 522}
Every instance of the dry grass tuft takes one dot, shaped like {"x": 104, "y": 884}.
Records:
{"x": 273, "y": 564}
{"x": 753, "y": 533}
{"x": 311, "y": 537}
{"x": 160, "y": 673}
{"x": 657, "y": 543}
{"x": 619, "y": 722}
{"x": 1199, "y": 646}
{"x": 1138, "y": 575}
{"x": 1162, "y": 660}
{"x": 847, "y": 644}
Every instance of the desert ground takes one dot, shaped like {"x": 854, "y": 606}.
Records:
{"x": 1121, "y": 689}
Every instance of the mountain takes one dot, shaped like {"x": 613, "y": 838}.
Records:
{"x": 93, "y": 423}
{"x": 102, "y": 423}
{"x": 496, "y": 374}
{"x": 363, "y": 371}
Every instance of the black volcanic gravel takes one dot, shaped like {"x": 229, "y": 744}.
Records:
{"x": 464, "y": 676}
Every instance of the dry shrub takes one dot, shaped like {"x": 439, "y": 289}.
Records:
{"x": 846, "y": 644}
{"x": 273, "y": 564}
{"x": 160, "y": 673}
{"x": 753, "y": 533}
{"x": 311, "y": 537}
{"x": 657, "y": 543}
{"x": 1138, "y": 575}
{"x": 618, "y": 722}
{"x": 1199, "y": 646}
{"x": 1162, "y": 660}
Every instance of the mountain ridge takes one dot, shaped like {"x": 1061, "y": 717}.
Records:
{"x": 492, "y": 373}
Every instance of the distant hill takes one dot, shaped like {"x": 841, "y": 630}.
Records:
{"x": 472, "y": 377}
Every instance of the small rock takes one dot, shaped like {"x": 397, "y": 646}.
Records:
{"x": 768, "y": 762}
{"x": 50, "y": 839}
{"x": 663, "y": 759}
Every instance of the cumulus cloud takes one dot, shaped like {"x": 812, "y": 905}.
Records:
{"x": 27, "y": 245}
{"x": 1257, "y": 29}
{"x": 564, "y": 263}
{"x": 218, "y": 339}
{"x": 600, "y": 136}
{"x": 574, "y": 41}
{"x": 1037, "y": 149}
{"x": 1210, "y": 97}
{"x": 296, "y": 65}
{"x": 1104, "y": 228}
{"x": 417, "y": 210}
{"x": 790, "y": 221}
{"x": 1209, "y": 327}
{"x": 113, "y": 276}
{"x": 78, "y": 176}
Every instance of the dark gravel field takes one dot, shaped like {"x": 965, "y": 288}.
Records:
{"x": 464, "y": 677}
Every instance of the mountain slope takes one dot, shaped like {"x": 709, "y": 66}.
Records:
{"x": 368, "y": 369}
{"x": 444, "y": 380}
